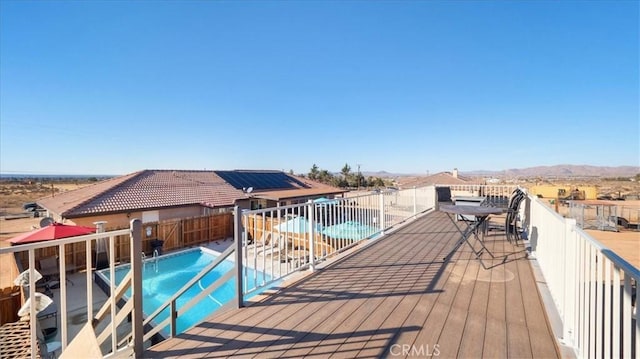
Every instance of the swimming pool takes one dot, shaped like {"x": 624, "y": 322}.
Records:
{"x": 163, "y": 276}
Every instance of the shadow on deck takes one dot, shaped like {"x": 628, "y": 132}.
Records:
{"x": 395, "y": 298}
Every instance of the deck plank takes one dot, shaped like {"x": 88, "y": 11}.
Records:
{"x": 473, "y": 334}
{"x": 358, "y": 319}
{"x": 396, "y": 292}
{"x": 495, "y": 343}
{"x": 518, "y": 344}
{"x": 542, "y": 346}
{"x": 388, "y": 318}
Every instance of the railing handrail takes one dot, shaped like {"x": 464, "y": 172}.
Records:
{"x": 63, "y": 241}
{"x": 627, "y": 267}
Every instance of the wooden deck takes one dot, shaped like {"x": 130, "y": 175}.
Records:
{"x": 394, "y": 298}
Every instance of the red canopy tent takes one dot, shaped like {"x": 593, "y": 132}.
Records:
{"x": 50, "y": 232}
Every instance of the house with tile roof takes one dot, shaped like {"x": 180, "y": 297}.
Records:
{"x": 155, "y": 195}
{"x": 441, "y": 178}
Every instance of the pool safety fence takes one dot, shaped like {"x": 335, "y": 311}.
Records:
{"x": 282, "y": 240}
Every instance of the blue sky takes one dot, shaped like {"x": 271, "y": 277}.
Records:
{"x": 113, "y": 87}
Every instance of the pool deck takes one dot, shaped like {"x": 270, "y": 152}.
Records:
{"x": 395, "y": 297}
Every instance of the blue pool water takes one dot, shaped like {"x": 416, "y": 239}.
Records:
{"x": 162, "y": 277}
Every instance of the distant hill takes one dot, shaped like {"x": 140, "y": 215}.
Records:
{"x": 383, "y": 174}
{"x": 562, "y": 171}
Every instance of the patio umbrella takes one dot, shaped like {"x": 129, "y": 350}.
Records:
{"x": 50, "y": 232}
{"x": 295, "y": 225}
{"x": 350, "y": 230}
{"x": 42, "y": 301}
{"x": 22, "y": 279}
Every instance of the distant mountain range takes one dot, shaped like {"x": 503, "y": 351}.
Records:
{"x": 563, "y": 171}
{"x": 538, "y": 171}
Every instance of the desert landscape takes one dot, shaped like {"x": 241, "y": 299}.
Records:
{"x": 14, "y": 193}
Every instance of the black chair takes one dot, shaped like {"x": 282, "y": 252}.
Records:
{"x": 513, "y": 216}
{"x": 512, "y": 210}
{"x": 443, "y": 194}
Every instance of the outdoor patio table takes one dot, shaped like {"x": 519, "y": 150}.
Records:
{"x": 480, "y": 215}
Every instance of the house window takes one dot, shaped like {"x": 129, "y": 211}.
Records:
{"x": 258, "y": 204}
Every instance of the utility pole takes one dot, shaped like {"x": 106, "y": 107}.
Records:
{"x": 358, "y": 176}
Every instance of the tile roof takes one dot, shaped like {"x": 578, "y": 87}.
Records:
{"x": 148, "y": 189}
{"x": 438, "y": 178}
{"x": 154, "y": 189}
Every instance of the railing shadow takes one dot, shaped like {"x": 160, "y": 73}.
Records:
{"x": 303, "y": 340}
{"x": 354, "y": 278}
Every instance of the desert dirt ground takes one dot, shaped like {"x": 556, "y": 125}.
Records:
{"x": 13, "y": 194}
{"x": 8, "y": 230}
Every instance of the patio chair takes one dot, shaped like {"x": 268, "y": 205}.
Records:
{"x": 49, "y": 267}
{"x": 48, "y": 347}
{"x": 50, "y": 270}
{"x": 444, "y": 194}
{"x": 45, "y": 338}
{"x": 513, "y": 216}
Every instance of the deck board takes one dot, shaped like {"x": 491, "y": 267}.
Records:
{"x": 396, "y": 296}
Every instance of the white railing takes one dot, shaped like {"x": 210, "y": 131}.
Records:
{"x": 116, "y": 316}
{"x": 280, "y": 241}
{"x": 592, "y": 287}
{"x": 496, "y": 194}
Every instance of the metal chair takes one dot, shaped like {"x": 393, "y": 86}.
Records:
{"x": 49, "y": 269}
{"x": 513, "y": 215}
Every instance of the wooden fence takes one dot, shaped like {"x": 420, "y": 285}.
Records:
{"x": 10, "y": 301}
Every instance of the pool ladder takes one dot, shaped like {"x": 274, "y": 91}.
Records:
{"x": 155, "y": 260}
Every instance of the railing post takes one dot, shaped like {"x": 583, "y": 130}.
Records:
{"x": 312, "y": 234}
{"x": 569, "y": 270}
{"x": 137, "y": 328}
{"x": 238, "y": 237}
{"x": 32, "y": 298}
{"x": 173, "y": 312}
{"x": 382, "y": 214}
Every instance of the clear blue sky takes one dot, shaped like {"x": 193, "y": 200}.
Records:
{"x": 113, "y": 87}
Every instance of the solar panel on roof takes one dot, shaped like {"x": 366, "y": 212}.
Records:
{"x": 260, "y": 180}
